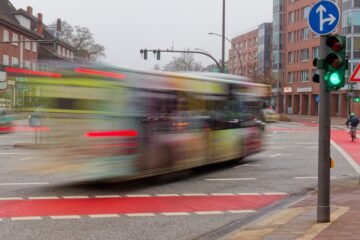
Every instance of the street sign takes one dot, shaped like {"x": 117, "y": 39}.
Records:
{"x": 355, "y": 77}
{"x": 324, "y": 17}
{"x": 317, "y": 99}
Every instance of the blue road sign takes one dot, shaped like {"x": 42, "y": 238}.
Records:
{"x": 324, "y": 17}
{"x": 317, "y": 98}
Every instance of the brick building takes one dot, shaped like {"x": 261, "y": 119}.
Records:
{"x": 294, "y": 48}
{"x": 250, "y": 54}
{"x": 26, "y": 42}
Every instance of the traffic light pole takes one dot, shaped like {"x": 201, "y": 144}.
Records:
{"x": 323, "y": 208}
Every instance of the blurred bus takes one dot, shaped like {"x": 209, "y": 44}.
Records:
{"x": 105, "y": 122}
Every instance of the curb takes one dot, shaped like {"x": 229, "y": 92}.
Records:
{"x": 238, "y": 225}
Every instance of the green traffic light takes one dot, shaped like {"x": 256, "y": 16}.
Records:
{"x": 357, "y": 99}
{"x": 335, "y": 79}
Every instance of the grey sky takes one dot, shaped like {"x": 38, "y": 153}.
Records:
{"x": 126, "y": 26}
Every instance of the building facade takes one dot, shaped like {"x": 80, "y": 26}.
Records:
{"x": 250, "y": 54}
{"x": 294, "y": 48}
{"x": 26, "y": 42}
{"x": 351, "y": 28}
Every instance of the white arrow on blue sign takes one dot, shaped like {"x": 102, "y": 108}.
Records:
{"x": 324, "y": 17}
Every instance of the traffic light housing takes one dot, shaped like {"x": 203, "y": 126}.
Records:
{"x": 336, "y": 62}
{"x": 158, "y": 55}
{"x": 357, "y": 99}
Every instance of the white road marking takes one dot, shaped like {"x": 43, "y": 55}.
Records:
{"x": 248, "y": 165}
{"x": 276, "y": 155}
{"x": 75, "y": 197}
{"x": 12, "y": 153}
{"x": 138, "y": 195}
{"x": 275, "y": 193}
{"x": 175, "y": 213}
{"x": 275, "y": 132}
{"x": 107, "y": 196}
{"x": 310, "y": 177}
{"x": 209, "y": 212}
{"x": 167, "y": 195}
{"x": 104, "y": 216}
{"x": 11, "y": 198}
{"x": 66, "y": 217}
{"x": 241, "y": 211}
{"x": 222, "y": 194}
{"x": 43, "y": 198}
{"x": 20, "y": 184}
{"x": 242, "y": 194}
{"x": 348, "y": 158}
{"x": 230, "y": 179}
{"x": 140, "y": 215}
{"x": 28, "y": 158}
{"x": 194, "y": 194}
{"x": 25, "y": 218}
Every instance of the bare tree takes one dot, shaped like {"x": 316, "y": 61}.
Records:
{"x": 67, "y": 31}
{"x": 82, "y": 39}
{"x": 186, "y": 62}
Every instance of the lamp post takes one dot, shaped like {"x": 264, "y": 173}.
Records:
{"x": 232, "y": 44}
{"x": 223, "y": 40}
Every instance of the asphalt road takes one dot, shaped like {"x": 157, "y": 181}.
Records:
{"x": 288, "y": 165}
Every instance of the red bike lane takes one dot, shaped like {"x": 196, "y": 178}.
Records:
{"x": 342, "y": 139}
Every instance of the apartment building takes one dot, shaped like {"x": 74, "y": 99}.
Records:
{"x": 250, "y": 54}
{"x": 294, "y": 48}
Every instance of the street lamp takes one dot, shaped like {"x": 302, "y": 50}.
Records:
{"x": 232, "y": 44}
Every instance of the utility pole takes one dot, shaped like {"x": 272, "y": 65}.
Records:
{"x": 323, "y": 208}
{"x": 223, "y": 40}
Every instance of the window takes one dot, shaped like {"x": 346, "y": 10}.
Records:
{"x": 291, "y": 57}
{"x": 34, "y": 46}
{"x": 304, "y": 76}
{"x": 291, "y": 77}
{"x": 304, "y": 54}
{"x": 6, "y": 60}
{"x": 71, "y": 55}
{"x": 315, "y": 52}
{"x": 63, "y": 52}
{"x": 27, "y": 44}
{"x": 291, "y": 37}
{"x": 43, "y": 67}
{"x": 291, "y": 17}
{"x": 27, "y": 64}
{"x": 6, "y": 36}
{"x": 14, "y": 61}
{"x": 15, "y": 38}
{"x": 304, "y": 33}
{"x": 34, "y": 66}
{"x": 305, "y": 12}
{"x": 58, "y": 50}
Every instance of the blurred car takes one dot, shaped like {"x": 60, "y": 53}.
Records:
{"x": 269, "y": 115}
{"x": 5, "y": 121}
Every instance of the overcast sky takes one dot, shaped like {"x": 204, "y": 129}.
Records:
{"x": 126, "y": 26}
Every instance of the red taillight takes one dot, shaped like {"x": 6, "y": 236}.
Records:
{"x": 31, "y": 72}
{"x": 100, "y": 73}
{"x": 123, "y": 133}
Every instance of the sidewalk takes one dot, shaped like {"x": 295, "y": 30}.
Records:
{"x": 337, "y": 122}
{"x": 299, "y": 220}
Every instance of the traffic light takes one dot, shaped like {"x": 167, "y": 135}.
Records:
{"x": 316, "y": 77}
{"x": 143, "y": 53}
{"x": 336, "y": 62}
{"x": 158, "y": 55}
{"x": 357, "y": 99}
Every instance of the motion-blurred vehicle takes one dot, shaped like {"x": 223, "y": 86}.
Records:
{"x": 106, "y": 122}
{"x": 5, "y": 121}
{"x": 269, "y": 115}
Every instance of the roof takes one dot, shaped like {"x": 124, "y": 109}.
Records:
{"x": 7, "y": 17}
